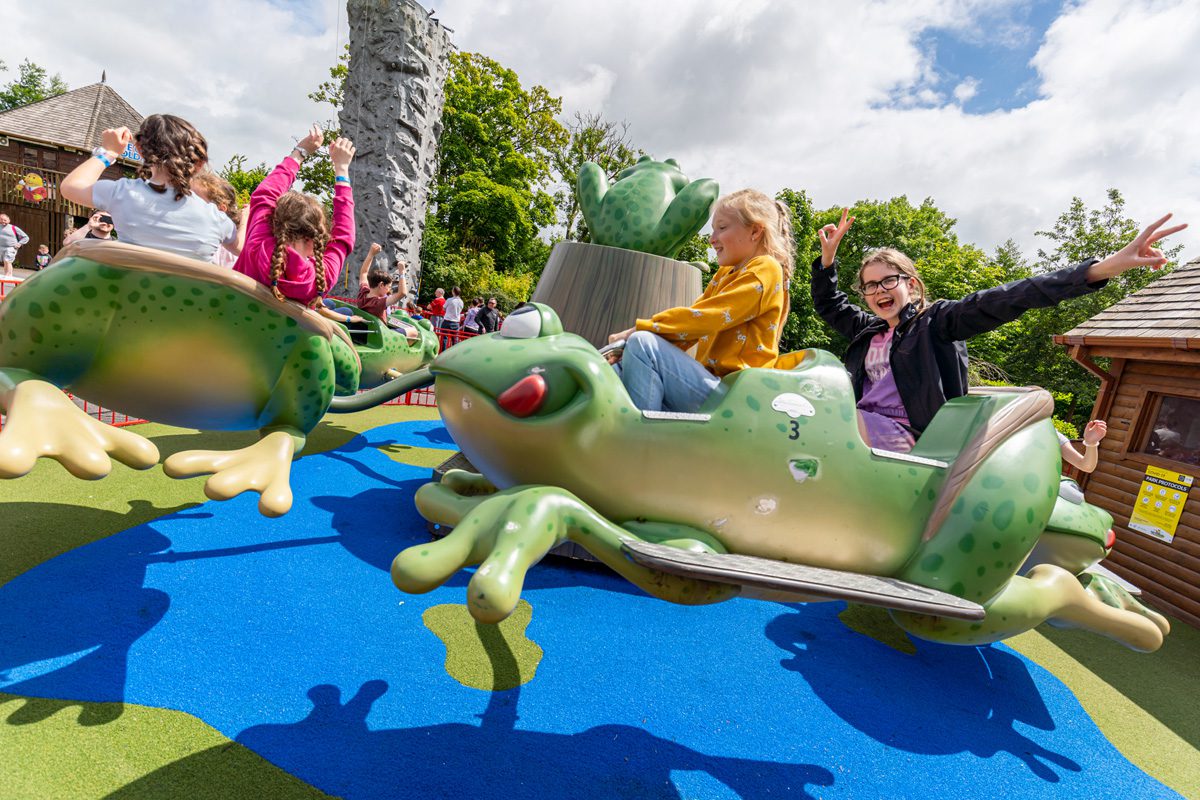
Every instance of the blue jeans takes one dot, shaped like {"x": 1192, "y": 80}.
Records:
{"x": 661, "y": 377}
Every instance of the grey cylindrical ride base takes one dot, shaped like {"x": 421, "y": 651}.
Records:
{"x": 598, "y": 290}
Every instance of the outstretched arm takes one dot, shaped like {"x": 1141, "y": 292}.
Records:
{"x": 77, "y": 186}
{"x": 1141, "y": 252}
{"x": 341, "y": 153}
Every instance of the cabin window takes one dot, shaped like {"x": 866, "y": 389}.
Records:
{"x": 1173, "y": 432}
{"x": 50, "y": 160}
{"x": 29, "y": 157}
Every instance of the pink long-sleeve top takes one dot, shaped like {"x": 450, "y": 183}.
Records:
{"x": 298, "y": 280}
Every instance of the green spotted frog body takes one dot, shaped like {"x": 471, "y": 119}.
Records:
{"x": 774, "y": 467}
{"x": 176, "y": 341}
{"x": 651, "y": 207}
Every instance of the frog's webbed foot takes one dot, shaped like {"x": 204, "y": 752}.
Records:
{"x": 44, "y": 423}
{"x": 1115, "y": 601}
{"x": 263, "y": 467}
{"x": 508, "y": 532}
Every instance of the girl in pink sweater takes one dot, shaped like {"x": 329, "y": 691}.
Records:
{"x": 288, "y": 245}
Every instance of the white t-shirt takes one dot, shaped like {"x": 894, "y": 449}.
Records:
{"x": 454, "y": 309}
{"x": 189, "y": 227}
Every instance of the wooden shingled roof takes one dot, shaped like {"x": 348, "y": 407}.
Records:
{"x": 73, "y": 119}
{"x": 1164, "y": 314}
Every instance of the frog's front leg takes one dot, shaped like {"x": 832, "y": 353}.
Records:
{"x": 43, "y": 422}
{"x": 508, "y": 532}
{"x": 1050, "y": 594}
{"x": 591, "y": 186}
{"x": 686, "y": 215}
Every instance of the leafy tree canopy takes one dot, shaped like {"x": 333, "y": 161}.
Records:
{"x": 32, "y": 84}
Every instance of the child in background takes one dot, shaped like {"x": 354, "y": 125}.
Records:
{"x": 909, "y": 357}
{"x": 42, "y": 259}
{"x": 158, "y": 209}
{"x": 437, "y": 308}
{"x": 12, "y": 239}
{"x": 288, "y": 245}
{"x": 736, "y": 322}
{"x": 211, "y": 187}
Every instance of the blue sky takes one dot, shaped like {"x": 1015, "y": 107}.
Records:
{"x": 1000, "y": 111}
{"x": 993, "y": 55}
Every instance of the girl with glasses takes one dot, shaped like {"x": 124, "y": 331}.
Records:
{"x": 908, "y": 356}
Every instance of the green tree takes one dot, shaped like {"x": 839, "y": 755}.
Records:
{"x": 590, "y": 138}
{"x": 949, "y": 268}
{"x": 32, "y": 84}
{"x": 1029, "y": 353}
{"x": 495, "y": 164}
{"x": 244, "y": 180}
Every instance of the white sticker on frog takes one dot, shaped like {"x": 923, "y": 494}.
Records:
{"x": 793, "y": 405}
{"x": 765, "y": 505}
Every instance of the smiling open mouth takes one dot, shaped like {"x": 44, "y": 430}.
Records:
{"x": 885, "y": 303}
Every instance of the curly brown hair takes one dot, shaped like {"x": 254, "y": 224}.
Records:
{"x": 218, "y": 191}
{"x": 299, "y": 216}
{"x": 174, "y": 144}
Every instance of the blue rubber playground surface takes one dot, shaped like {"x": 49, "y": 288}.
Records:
{"x": 288, "y": 637}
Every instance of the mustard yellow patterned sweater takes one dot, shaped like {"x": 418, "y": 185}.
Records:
{"x": 735, "y": 323}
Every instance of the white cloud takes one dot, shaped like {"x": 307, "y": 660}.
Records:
{"x": 965, "y": 90}
{"x": 841, "y": 100}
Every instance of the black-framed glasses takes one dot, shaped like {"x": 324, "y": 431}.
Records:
{"x": 887, "y": 282}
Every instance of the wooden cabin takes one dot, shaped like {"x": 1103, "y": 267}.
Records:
{"x": 1146, "y": 352}
{"x": 43, "y": 141}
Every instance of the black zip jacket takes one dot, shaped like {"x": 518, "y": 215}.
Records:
{"x": 929, "y": 355}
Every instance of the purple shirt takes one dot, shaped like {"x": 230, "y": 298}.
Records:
{"x": 879, "y": 388}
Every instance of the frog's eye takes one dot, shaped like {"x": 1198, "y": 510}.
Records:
{"x": 524, "y": 323}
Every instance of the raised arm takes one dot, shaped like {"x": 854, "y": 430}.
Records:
{"x": 988, "y": 309}
{"x": 828, "y": 300}
{"x": 77, "y": 186}
{"x": 266, "y": 195}
{"x": 1086, "y": 461}
{"x": 372, "y": 251}
{"x": 341, "y": 241}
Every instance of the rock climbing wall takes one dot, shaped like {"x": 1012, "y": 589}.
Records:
{"x": 392, "y": 109}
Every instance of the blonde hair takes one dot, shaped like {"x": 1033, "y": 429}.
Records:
{"x": 299, "y": 216}
{"x": 898, "y": 261}
{"x": 217, "y": 191}
{"x": 753, "y": 208}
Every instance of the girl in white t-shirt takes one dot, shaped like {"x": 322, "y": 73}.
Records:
{"x": 159, "y": 209}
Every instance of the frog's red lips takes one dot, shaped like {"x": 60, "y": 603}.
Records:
{"x": 524, "y": 397}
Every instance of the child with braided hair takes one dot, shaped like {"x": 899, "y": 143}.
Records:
{"x": 289, "y": 247}
{"x": 157, "y": 209}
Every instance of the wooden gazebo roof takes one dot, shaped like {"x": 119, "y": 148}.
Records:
{"x": 1164, "y": 314}
{"x": 74, "y": 119}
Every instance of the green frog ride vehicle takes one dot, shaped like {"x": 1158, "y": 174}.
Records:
{"x": 182, "y": 342}
{"x": 769, "y": 492}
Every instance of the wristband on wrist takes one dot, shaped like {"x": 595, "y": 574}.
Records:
{"x": 1091, "y": 444}
{"x": 303, "y": 155}
{"x": 106, "y": 157}
{"x": 341, "y": 179}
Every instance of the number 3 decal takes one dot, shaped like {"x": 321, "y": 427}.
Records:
{"x": 795, "y": 426}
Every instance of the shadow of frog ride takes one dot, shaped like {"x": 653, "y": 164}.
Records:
{"x": 181, "y": 342}
{"x": 770, "y": 492}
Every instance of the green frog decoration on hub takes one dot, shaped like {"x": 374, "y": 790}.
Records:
{"x": 771, "y": 479}
{"x": 651, "y": 208}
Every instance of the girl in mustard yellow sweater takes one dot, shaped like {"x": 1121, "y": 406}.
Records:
{"x": 735, "y": 324}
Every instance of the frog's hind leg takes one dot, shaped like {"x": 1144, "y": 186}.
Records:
{"x": 42, "y": 422}
{"x": 264, "y": 467}
{"x": 1050, "y": 594}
